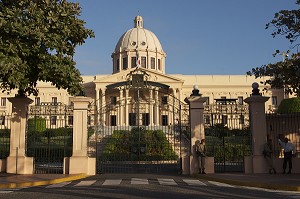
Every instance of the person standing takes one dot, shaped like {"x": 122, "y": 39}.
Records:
{"x": 289, "y": 151}
{"x": 267, "y": 152}
{"x": 201, "y": 153}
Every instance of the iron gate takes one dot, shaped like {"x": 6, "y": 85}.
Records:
{"x": 136, "y": 132}
{"x": 227, "y": 134}
{"x": 49, "y": 136}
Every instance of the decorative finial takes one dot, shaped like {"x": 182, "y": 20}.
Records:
{"x": 255, "y": 90}
{"x": 195, "y": 91}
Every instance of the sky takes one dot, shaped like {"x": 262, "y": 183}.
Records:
{"x": 203, "y": 37}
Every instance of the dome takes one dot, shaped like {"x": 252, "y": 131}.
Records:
{"x": 138, "y": 38}
{"x": 138, "y": 47}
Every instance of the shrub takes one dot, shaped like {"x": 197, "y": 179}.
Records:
{"x": 291, "y": 105}
{"x": 37, "y": 124}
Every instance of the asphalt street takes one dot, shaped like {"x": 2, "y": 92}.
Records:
{"x": 143, "y": 186}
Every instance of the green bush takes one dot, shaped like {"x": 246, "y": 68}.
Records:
{"x": 125, "y": 145}
{"x": 291, "y": 105}
{"x": 37, "y": 124}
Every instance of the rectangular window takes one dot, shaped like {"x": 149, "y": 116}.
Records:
{"x": 240, "y": 100}
{"x": 152, "y": 63}
{"x": 125, "y": 63}
{"x": 158, "y": 64}
{"x": 2, "y": 120}
{"x": 242, "y": 119}
{"x": 54, "y": 100}
{"x": 118, "y": 65}
{"x": 143, "y": 62}
{"x": 70, "y": 120}
{"x": 164, "y": 100}
{"x": 113, "y": 100}
{"x": 145, "y": 119}
{"x": 132, "y": 119}
{"x": 224, "y": 119}
{"x": 53, "y": 120}
{"x": 3, "y": 101}
{"x": 113, "y": 120}
{"x": 164, "y": 120}
{"x": 37, "y": 101}
{"x": 133, "y": 62}
{"x": 274, "y": 100}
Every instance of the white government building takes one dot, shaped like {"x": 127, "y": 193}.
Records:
{"x": 140, "y": 48}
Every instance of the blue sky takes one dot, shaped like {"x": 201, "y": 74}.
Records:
{"x": 199, "y": 36}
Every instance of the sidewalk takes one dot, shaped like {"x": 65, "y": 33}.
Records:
{"x": 17, "y": 181}
{"x": 286, "y": 182}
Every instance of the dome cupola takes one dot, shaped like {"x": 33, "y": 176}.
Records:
{"x": 138, "y": 47}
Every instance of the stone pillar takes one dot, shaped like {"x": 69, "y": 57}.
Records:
{"x": 80, "y": 162}
{"x": 17, "y": 162}
{"x": 151, "y": 107}
{"x": 103, "y": 108}
{"x": 121, "y": 103}
{"x": 126, "y": 107}
{"x": 196, "y": 102}
{"x": 156, "y": 114}
{"x": 257, "y": 163}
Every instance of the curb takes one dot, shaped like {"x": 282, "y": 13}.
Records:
{"x": 43, "y": 182}
{"x": 250, "y": 184}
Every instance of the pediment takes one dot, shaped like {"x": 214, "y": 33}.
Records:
{"x": 151, "y": 75}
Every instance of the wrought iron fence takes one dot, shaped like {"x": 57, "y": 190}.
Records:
{"x": 5, "y": 120}
{"x": 49, "y": 136}
{"x": 283, "y": 125}
{"x": 227, "y": 134}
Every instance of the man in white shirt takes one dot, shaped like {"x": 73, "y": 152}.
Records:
{"x": 289, "y": 151}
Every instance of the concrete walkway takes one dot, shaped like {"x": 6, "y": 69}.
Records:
{"x": 287, "y": 182}
{"x": 17, "y": 181}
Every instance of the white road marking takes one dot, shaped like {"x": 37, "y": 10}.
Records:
{"x": 85, "y": 183}
{"x": 139, "y": 181}
{"x": 220, "y": 184}
{"x": 164, "y": 181}
{"x": 194, "y": 182}
{"x": 112, "y": 182}
{"x": 58, "y": 185}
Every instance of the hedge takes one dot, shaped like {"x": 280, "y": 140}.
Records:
{"x": 290, "y": 105}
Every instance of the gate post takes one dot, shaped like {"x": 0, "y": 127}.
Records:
{"x": 196, "y": 103}
{"x": 256, "y": 163}
{"x": 80, "y": 162}
{"x": 17, "y": 162}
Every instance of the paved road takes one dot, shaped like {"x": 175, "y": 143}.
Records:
{"x": 143, "y": 186}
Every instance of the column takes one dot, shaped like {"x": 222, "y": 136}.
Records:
{"x": 103, "y": 108}
{"x": 121, "y": 103}
{"x": 126, "y": 107}
{"x": 151, "y": 107}
{"x": 258, "y": 128}
{"x": 156, "y": 114}
{"x": 80, "y": 162}
{"x": 17, "y": 162}
{"x": 97, "y": 104}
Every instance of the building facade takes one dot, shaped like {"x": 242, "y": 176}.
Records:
{"x": 139, "y": 51}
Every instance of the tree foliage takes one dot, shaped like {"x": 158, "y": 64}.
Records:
{"x": 37, "y": 43}
{"x": 286, "y": 73}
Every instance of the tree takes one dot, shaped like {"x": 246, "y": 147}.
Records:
{"x": 37, "y": 43}
{"x": 286, "y": 73}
